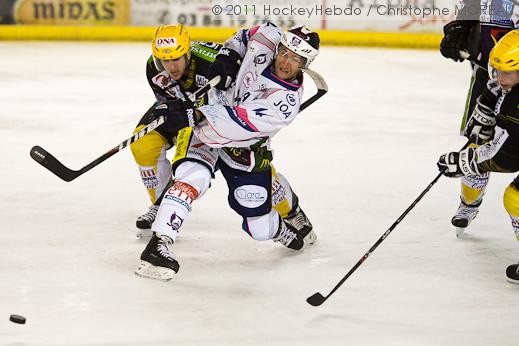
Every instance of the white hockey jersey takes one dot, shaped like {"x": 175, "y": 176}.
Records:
{"x": 260, "y": 104}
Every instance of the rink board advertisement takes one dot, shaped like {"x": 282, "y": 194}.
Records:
{"x": 351, "y": 15}
{"x": 65, "y": 12}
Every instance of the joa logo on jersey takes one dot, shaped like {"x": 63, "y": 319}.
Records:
{"x": 166, "y": 42}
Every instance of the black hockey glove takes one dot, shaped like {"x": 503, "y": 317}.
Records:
{"x": 456, "y": 164}
{"x": 480, "y": 127}
{"x": 455, "y": 38}
{"x": 226, "y": 65}
{"x": 178, "y": 113}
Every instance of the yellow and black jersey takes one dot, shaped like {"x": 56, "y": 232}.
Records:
{"x": 165, "y": 88}
{"x": 506, "y": 107}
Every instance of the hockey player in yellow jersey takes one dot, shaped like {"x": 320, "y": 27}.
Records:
{"x": 478, "y": 25}
{"x": 177, "y": 68}
{"x": 495, "y": 121}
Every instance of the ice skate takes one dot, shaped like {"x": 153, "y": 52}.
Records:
{"x": 292, "y": 238}
{"x": 512, "y": 274}
{"x": 157, "y": 260}
{"x": 298, "y": 220}
{"x": 145, "y": 221}
{"x": 288, "y": 236}
{"x": 464, "y": 216}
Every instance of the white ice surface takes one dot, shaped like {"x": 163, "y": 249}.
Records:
{"x": 357, "y": 159}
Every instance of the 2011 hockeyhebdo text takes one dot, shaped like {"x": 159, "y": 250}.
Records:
{"x": 320, "y": 10}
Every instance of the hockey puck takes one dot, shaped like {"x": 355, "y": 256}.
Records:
{"x": 17, "y": 319}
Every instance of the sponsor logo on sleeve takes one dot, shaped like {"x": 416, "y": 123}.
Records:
{"x": 201, "y": 80}
{"x": 490, "y": 149}
{"x": 248, "y": 79}
{"x": 224, "y": 51}
{"x": 260, "y": 111}
{"x": 260, "y": 59}
{"x": 162, "y": 80}
{"x": 240, "y": 117}
{"x": 211, "y": 45}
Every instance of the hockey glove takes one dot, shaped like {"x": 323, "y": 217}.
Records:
{"x": 178, "y": 113}
{"x": 480, "y": 126}
{"x": 226, "y": 65}
{"x": 455, "y": 38}
{"x": 456, "y": 164}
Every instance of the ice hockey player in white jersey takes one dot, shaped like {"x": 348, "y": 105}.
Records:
{"x": 259, "y": 93}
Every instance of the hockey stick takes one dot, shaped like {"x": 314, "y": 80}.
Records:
{"x": 322, "y": 88}
{"x": 466, "y": 55}
{"x": 320, "y": 83}
{"x": 48, "y": 161}
{"x": 317, "y": 298}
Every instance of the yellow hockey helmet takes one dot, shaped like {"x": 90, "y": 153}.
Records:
{"x": 170, "y": 42}
{"x": 505, "y": 54}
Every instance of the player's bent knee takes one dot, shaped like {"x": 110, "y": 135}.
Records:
{"x": 511, "y": 200}
{"x": 262, "y": 227}
{"x": 195, "y": 174}
{"x": 148, "y": 149}
{"x": 282, "y": 195}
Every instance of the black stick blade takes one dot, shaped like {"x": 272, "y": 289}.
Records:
{"x": 315, "y": 299}
{"x": 48, "y": 161}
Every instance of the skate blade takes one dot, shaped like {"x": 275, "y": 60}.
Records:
{"x": 459, "y": 231}
{"x": 310, "y": 238}
{"x": 144, "y": 233}
{"x": 147, "y": 270}
{"x": 512, "y": 281}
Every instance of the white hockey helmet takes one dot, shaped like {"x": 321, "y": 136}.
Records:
{"x": 302, "y": 41}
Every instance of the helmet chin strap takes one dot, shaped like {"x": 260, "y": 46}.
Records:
{"x": 187, "y": 59}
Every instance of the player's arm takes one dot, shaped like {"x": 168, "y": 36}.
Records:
{"x": 457, "y": 33}
{"x": 229, "y": 58}
{"x": 476, "y": 160}
{"x": 489, "y": 157}
{"x": 157, "y": 78}
{"x": 480, "y": 126}
{"x": 250, "y": 120}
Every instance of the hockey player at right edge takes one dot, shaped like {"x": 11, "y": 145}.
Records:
{"x": 479, "y": 24}
{"x": 233, "y": 134}
{"x": 496, "y": 115}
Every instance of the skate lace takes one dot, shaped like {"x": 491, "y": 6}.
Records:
{"x": 299, "y": 220}
{"x": 286, "y": 236}
{"x": 151, "y": 214}
{"x": 466, "y": 212}
{"x": 163, "y": 248}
